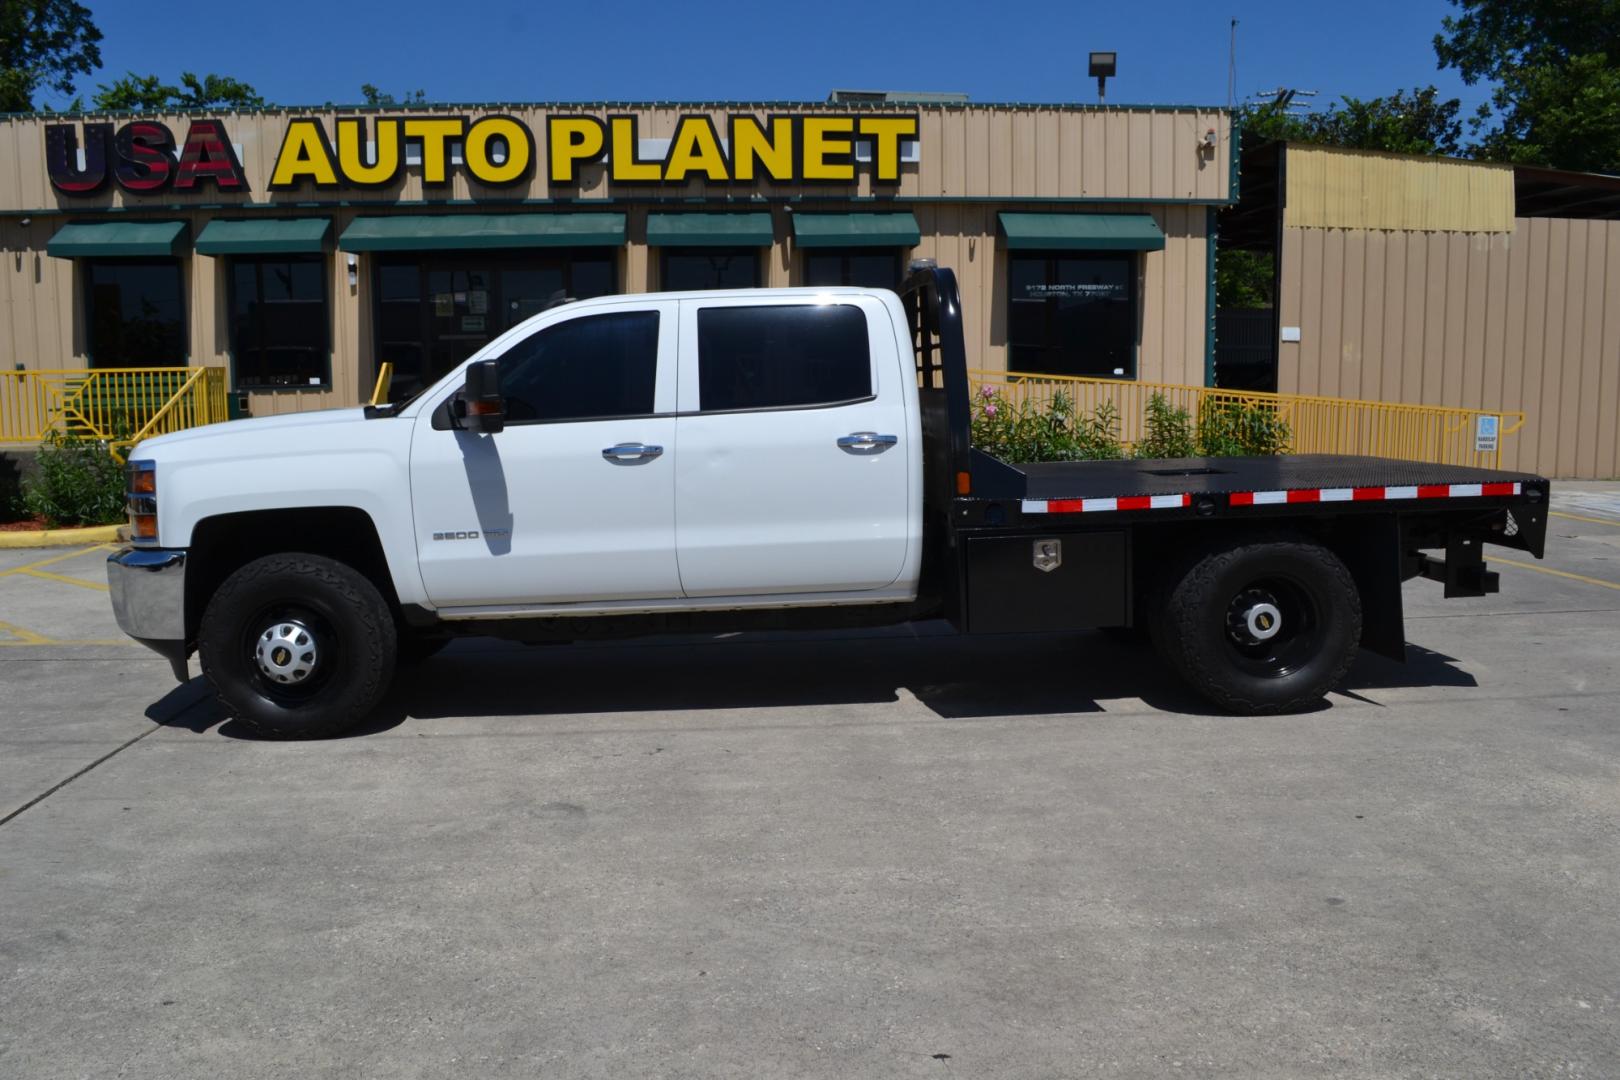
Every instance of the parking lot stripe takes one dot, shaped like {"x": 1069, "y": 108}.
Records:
{"x": 1557, "y": 573}
{"x": 24, "y": 637}
{"x": 54, "y": 559}
{"x": 1578, "y": 517}
{"x": 46, "y": 575}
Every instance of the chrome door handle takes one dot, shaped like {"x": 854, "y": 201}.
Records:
{"x": 627, "y": 451}
{"x": 866, "y": 440}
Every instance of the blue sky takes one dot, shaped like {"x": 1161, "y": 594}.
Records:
{"x": 301, "y": 53}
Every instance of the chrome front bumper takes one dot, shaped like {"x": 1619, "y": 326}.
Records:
{"x": 148, "y": 588}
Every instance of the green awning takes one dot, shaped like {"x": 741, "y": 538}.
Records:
{"x": 709, "y": 230}
{"x": 455, "y": 232}
{"x": 82, "y": 239}
{"x": 1083, "y": 232}
{"x": 298, "y": 236}
{"x": 855, "y": 230}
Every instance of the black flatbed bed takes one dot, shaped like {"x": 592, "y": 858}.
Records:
{"x": 1066, "y": 480}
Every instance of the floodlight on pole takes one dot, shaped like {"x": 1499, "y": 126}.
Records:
{"x": 1102, "y": 69}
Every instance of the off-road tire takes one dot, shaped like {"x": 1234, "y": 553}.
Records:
{"x": 355, "y": 623}
{"x": 1192, "y": 629}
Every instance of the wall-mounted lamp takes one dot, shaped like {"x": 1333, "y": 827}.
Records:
{"x": 25, "y": 222}
{"x": 1102, "y": 69}
{"x": 354, "y": 269}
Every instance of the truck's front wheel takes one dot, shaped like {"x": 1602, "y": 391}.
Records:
{"x": 298, "y": 645}
{"x": 1262, "y": 626}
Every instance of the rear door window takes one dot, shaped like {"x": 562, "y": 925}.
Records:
{"x": 782, "y": 356}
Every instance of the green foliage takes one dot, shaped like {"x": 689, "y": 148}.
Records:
{"x": 1244, "y": 279}
{"x": 44, "y": 45}
{"x": 1555, "y": 66}
{"x": 373, "y": 95}
{"x": 1235, "y": 429}
{"x": 1406, "y": 122}
{"x": 1169, "y": 431}
{"x": 148, "y": 93}
{"x": 1024, "y": 432}
{"x": 79, "y": 483}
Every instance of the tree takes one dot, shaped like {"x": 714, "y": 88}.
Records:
{"x": 1406, "y": 122}
{"x": 375, "y": 96}
{"x": 147, "y": 93}
{"x": 44, "y": 44}
{"x": 1556, "y": 66}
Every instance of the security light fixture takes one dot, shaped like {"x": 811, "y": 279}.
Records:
{"x": 1102, "y": 68}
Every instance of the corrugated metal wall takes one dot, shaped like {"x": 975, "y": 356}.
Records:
{"x": 1329, "y": 188}
{"x": 1523, "y": 320}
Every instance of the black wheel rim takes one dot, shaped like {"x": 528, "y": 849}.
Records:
{"x": 1274, "y": 626}
{"x": 326, "y": 648}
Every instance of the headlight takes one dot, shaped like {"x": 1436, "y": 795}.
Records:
{"x": 140, "y": 493}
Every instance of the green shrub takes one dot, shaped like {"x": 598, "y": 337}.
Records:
{"x": 79, "y": 483}
{"x": 1233, "y": 429}
{"x": 1024, "y": 432}
{"x": 1169, "y": 431}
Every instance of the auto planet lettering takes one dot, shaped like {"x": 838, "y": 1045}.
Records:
{"x": 496, "y": 150}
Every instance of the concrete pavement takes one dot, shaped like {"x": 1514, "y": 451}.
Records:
{"x": 844, "y": 855}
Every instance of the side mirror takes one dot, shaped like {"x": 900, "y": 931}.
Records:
{"x": 483, "y": 410}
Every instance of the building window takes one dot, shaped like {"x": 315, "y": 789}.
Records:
{"x": 781, "y": 357}
{"x": 686, "y": 269}
{"x": 137, "y": 313}
{"x": 280, "y": 322}
{"x": 871, "y": 268}
{"x": 589, "y": 368}
{"x": 1072, "y": 313}
{"x": 435, "y": 310}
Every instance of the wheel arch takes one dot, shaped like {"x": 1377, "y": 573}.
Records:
{"x": 223, "y": 543}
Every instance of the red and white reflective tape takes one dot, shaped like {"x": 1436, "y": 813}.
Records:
{"x": 1128, "y": 502}
{"x": 1371, "y": 494}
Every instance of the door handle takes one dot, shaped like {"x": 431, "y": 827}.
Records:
{"x": 632, "y": 451}
{"x": 866, "y": 440}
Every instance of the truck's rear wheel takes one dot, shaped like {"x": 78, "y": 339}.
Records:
{"x": 1263, "y": 626}
{"x": 298, "y": 646}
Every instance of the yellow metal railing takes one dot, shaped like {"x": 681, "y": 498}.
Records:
{"x": 1316, "y": 425}
{"x": 385, "y": 380}
{"x": 118, "y": 406}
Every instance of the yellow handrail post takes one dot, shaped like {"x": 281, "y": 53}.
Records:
{"x": 385, "y": 379}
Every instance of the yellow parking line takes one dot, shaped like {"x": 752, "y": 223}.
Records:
{"x": 44, "y": 642}
{"x": 46, "y": 575}
{"x": 1557, "y": 573}
{"x": 1577, "y": 517}
{"x": 53, "y": 560}
{"x": 24, "y": 637}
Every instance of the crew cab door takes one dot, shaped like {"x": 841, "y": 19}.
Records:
{"x": 575, "y": 500}
{"x": 794, "y": 467}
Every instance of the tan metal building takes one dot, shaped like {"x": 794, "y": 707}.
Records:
{"x": 300, "y": 248}
{"x": 1445, "y": 282}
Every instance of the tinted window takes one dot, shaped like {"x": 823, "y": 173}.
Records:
{"x": 1072, "y": 314}
{"x": 868, "y": 268}
{"x": 278, "y": 322}
{"x": 592, "y": 366}
{"x": 136, "y": 316}
{"x": 710, "y": 268}
{"x": 777, "y": 357}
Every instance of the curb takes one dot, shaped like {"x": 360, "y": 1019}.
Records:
{"x": 98, "y": 534}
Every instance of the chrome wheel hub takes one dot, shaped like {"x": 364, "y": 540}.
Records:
{"x": 287, "y": 652}
{"x": 1263, "y": 621}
